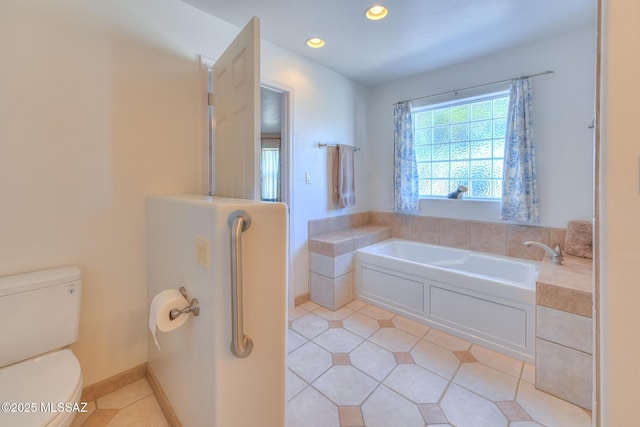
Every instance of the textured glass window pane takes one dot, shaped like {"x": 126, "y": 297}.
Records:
{"x": 481, "y": 130}
{"x": 496, "y": 192}
{"x": 441, "y": 117}
{"x": 440, "y": 187}
{"x": 480, "y": 188}
{"x": 459, "y": 150}
{"x": 497, "y": 168}
{"x": 500, "y": 107}
{"x": 460, "y": 114}
{"x": 499, "y": 128}
{"x": 423, "y": 120}
{"x": 454, "y": 183}
{"x": 423, "y": 136}
{"x": 424, "y": 187}
{"x": 481, "y": 149}
{"x": 423, "y": 153}
{"x": 481, "y": 110}
{"x": 440, "y": 169}
{"x": 462, "y": 145}
{"x": 480, "y": 168}
{"x": 459, "y": 169}
{"x": 424, "y": 170}
{"x": 440, "y": 134}
{"x": 498, "y": 148}
{"x": 460, "y": 132}
{"x": 440, "y": 151}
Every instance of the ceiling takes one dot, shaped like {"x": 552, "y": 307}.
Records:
{"x": 416, "y": 36}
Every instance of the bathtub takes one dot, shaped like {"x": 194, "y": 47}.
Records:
{"x": 486, "y": 299}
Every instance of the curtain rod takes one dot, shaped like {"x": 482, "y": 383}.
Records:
{"x": 320, "y": 144}
{"x": 477, "y": 86}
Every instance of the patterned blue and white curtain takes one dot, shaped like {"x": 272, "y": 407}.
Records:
{"x": 405, "y": 173}
{"x": 519, "y": 192}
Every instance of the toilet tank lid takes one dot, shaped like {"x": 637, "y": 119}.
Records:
{"x": 23, "y": 282}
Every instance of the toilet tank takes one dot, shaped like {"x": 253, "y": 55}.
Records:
{"x": 39, "y": 312}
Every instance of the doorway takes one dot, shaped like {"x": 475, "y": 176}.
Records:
{"x": 276, "y": 155}
{"x": 273, "y": 145}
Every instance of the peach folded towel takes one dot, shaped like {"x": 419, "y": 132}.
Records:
{"x": 579, "y": 239}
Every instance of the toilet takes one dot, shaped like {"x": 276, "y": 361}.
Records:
{"x": 40, "y": 377}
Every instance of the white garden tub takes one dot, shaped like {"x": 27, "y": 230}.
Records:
{"x": 486, "y": 299}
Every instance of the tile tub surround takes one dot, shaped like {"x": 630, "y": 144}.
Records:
{"x": 497, "y": 238}
{"x": 332, "y": 262}
{"x": 362, "y": 365}
{"x": 564, "y": 343}
{"x": 333, "y": 241}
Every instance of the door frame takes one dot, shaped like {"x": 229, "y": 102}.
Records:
{"x": 286, "y": 145}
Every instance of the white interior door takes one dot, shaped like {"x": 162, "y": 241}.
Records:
{"x": 236, "y": 101}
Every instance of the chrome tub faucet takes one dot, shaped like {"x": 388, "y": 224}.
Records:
{"x": 555, "y": 254}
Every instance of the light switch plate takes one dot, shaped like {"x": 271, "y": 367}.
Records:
{"x": 202, "y": 252}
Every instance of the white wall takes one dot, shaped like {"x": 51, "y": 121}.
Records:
{"x": 563, "y": 109}
{"x": 328, "y": 108}
{"x": 101, "y": 105}
{"x": 619, "y": 214}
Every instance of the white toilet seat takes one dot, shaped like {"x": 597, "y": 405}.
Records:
{"x": 41, "y": 383}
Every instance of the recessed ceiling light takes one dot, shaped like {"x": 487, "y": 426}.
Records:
{"x": 376, "y": 12}
{"x": 315, "y": 42}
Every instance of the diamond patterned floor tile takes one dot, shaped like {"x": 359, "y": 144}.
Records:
{"x": 386, "y": 408}
{"x": 435, "y": 358}
{"x": 466, "y": 409}
{"x": 309, "y": 361}
{"x": 338, "y": 340}
{"x": 310, "y": 325}
{"x": 513, "y": 411}
{"x": 345, "y": 385}
{"x": 361, "y": 325}
{"x": 432, "y": 413}
{"x": 394, "y": 339}
{"x": 486, "y": 381}
{"x": 416, "y": 383}
{"x": 368, "y": 366}
{"x": 311, "y": 409}
{"x": 373, "y": 360}
{"x": 350, "y": 416}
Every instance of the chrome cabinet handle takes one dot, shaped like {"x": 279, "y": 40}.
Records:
{"x": 241, "y": 344}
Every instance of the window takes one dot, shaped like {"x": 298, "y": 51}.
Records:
{"x": 461, "y": 143}
{"x": 270, "y": 170}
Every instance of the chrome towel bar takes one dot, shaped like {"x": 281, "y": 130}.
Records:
{"x": 241, "y": 344}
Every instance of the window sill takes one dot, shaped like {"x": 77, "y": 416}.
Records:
{"x": 460, "y": 200}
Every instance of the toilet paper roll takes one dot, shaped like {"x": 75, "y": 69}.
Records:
{"x": 161, "y": 306}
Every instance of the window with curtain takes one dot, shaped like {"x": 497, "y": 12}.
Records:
{"x": 270, "y": 171}
{"x": 461, "y": 142}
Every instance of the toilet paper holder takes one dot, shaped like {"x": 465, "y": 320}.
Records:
{"x": 193, "y": 308}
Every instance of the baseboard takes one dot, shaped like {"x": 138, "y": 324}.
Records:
{"x": 301, "y": 299}
{"x": 106, "y": 386}
{"x": 162, "y": 399}
{"x": 111, "y": 384}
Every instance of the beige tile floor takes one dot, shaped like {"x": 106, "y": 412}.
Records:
{"x": 132, "y": 405}
{"x": 364, "y": 366}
